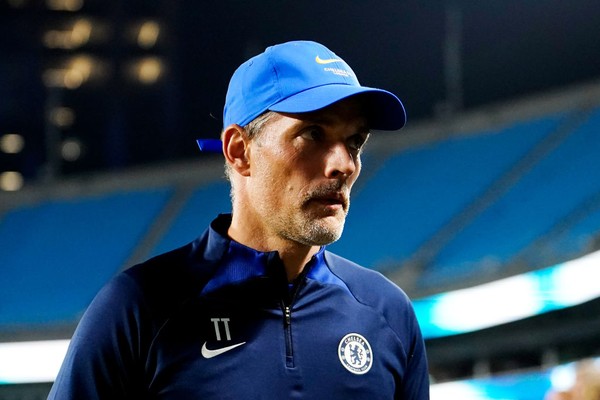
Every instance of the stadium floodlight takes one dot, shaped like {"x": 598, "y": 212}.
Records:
{"x": 31, "y": 362}
{"x": 467, "y": 310}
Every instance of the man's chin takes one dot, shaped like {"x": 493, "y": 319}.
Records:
{"x": 326, "y": 231}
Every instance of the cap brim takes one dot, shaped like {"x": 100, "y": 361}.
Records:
{"x": 384, "y": 110}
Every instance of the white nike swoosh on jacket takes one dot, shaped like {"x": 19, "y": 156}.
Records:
{"x": 207, "y": 353}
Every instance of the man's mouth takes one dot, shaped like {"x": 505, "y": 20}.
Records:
{"x": 333, "y": 197}
{"x": 332, "y": 201}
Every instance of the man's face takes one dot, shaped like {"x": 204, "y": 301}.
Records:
{"x": 302, "y": 169}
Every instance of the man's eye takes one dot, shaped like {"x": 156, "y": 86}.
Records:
{"x": 313, "y": 133}
{"x": 356, "y": 142}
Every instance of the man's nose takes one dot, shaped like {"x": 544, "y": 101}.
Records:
{"x": 340, "y": 161}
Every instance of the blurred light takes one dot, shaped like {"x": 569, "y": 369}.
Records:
{"x": 73, "y": 79}
{"x": 64, "y": 78}
{"x": 63, "y": 117}
{"x": 487, "y": 305}
{"x": 64, "y": 5}
{"x": 148, "y": 34}
{"x": 81, "y": 32}
{"x": 76, "y": 72}
{"x": 510, "y": 299}
{"x": 455, "y": 390}
{"x": 147, "y": 70}
{"x": 563, "y": 377}
{"x": 12, "y": 143}
{"x": 77, "y": 36}
{"x": 71, "y": 150}
{"x": 11, "y": 181}
{"x": 27, "y": 362}
{"x": 83, "y": 66}
{"x": 576, "y": 281}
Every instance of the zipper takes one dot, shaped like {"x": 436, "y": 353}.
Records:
{"x": 288, "y": 315}
{"x": 287, "y": 329}
{"x": 286, "y": 307}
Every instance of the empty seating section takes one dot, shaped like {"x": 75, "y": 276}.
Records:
{"x": 56, "y": 255}
{"x": 204, "y": 205}
{"x": 550, "y": 191}
{"x": 417, "y": 191}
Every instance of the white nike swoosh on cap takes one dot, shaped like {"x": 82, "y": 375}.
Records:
{"x": 207, "y": 353}
{"x": 319, "y": 60}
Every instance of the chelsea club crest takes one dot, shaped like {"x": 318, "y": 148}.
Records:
{"x": 355, "y": 353}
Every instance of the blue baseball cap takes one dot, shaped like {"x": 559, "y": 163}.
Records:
{"x": 298, "y": 77}
{"x": 303, "y": 76}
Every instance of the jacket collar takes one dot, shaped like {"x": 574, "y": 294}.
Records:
{"x": 238, "y": 263}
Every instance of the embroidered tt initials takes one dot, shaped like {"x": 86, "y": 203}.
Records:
{"x": 225, "y": 322}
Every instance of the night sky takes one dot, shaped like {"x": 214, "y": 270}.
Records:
{"x": 509, "y": 48}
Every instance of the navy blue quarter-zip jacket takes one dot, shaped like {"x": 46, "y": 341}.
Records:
{"x": 218, "y": 320}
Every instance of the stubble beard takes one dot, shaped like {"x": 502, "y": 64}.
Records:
{"x": 314, "y": 231}
{"x": 311, "y": 232}
{"x": 309, "y": 228}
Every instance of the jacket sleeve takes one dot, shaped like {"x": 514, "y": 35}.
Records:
{"x": 103, "y": 360}
{"x": 416, "y": 377}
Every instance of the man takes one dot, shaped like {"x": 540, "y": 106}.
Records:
{"x": 256, "y": 308}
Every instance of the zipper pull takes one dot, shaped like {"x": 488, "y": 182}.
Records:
{"x": 288, "y": 315}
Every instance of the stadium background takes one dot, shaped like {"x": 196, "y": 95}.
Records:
{"x": 495, "y": 175}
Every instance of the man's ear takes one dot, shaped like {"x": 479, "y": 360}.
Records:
{"x": 236, "y": 149}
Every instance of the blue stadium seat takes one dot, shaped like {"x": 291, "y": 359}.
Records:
{"x": 55, "y": 256}
{"x": 550, "y": 191}
{"x": 418, "y": 190}
{"x": 203, "y": 206}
